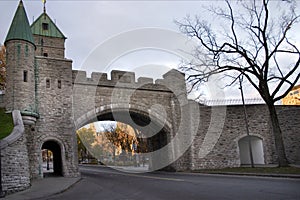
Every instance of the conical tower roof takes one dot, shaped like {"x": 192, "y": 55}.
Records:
{"x": 19, "y": 28}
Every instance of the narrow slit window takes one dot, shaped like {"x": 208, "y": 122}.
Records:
{"x": 45, "y": 54}
{"x": 59, "y": 84}
{"x": 47, "y": 83}
{"x": 26, "y": 50}
{"x": 25, "y": 76}
{"x": 19, "y": 49}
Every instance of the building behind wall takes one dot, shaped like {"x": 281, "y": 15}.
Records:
{"x": 293, "y": 97}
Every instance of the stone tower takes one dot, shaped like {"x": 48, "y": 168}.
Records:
{"x": 20, "y": 48}
{"x": 39, "y": 84}
{"x": 54, "y": 129}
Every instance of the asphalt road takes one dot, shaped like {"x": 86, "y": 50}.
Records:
{"x": 105, "y": 183}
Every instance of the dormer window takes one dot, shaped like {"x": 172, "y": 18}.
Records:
{"x": 45, "y": 26}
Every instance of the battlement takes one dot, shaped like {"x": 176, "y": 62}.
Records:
{"x": 126, "y": 79}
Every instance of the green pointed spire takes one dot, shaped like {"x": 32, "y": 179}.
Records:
{"x": 19, "y": 28}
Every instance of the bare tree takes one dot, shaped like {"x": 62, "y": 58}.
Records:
{"x": 252, "y": 45}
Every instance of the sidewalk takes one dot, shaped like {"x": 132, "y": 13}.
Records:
{"x": 44, "y": 187}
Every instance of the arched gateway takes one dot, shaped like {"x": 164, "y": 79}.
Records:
{"x": 54, "y": 157}
{"x": 55, "y": 100}
{"x": 159, "y": 110}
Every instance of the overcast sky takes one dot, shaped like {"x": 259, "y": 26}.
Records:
{"x": 115, "y": 27}
{"x": 87, "y": 24}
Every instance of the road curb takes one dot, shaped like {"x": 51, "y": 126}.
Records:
{"x": 261, "y": 175}
{"x": 295, "y": 176}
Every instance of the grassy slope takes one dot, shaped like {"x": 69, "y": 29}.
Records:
{"x": 6, "y": 123}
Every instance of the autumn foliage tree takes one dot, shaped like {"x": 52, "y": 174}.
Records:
{"x": 119, "y": 136}
{"x": 253, "y": 41}
{"x": 125, "y": 136}
{"x": 85, "y": 143}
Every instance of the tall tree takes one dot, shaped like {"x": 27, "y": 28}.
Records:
{"x": 86, "y": 140}
{"x": 252, "y": 45}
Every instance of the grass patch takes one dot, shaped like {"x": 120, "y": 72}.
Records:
{"x": 260, "y": 170}
{"x": 6, "y": 123}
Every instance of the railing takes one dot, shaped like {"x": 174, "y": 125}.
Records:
{"x": 226, "y": 102}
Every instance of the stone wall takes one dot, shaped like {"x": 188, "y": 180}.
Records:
{"x": 289, "y": 123}
{"x": 216, "y": 144}
{"x": 15, "y": 164}
{"x": 2, "y": 103}
{"x": 53, "y": 47}
{"x": 218, "y": 129}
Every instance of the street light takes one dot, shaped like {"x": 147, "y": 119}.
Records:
{"x": 246, "y": 122}
{"x": 48, "y": 168}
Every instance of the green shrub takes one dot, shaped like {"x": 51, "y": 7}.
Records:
{"x": 6, "y": 123}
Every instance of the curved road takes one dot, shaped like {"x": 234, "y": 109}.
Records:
{"x": 105, "y": 183}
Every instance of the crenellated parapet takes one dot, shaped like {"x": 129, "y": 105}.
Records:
{"x": 171, "y": 80}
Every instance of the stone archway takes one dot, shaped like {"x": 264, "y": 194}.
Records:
{"x": 257, "y": 150}
{"x": 155, "y": 130}
{"x": 54, "y": 147}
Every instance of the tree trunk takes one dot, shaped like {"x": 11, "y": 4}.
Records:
{"x": 279, "y": 145}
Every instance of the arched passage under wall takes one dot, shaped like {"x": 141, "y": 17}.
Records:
{"x": 257, "y": 150}
{"x": 154, "y": 128}
{"x": 155, "y": 131}
{"x": 54, "y": 147}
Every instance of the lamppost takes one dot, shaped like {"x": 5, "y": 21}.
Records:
{"x": 48, "y": 168}
{"x": 246, "y": 122}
